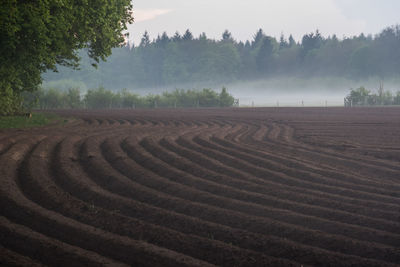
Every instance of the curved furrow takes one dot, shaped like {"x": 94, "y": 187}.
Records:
{"x": 179, "y": 123}
{"x": 295, "y": 162}
{"x": 132, "y": 122}
{"x": 22, "y": 239}
{"x": 386, "y": 191}
{"x": 86, "y": 121}
{"x": 122, "y": 122}
{"x": 200, "y": 123}
{"x": 297, "y": 156}
{"x": 89, "y": 191}
{"x": 178, "y": 221}
{"x": 206, "y": 153}
{"x": 171, "y": 166}
{"x": 188, "y": 123}
{"x": 252, "y": 129}
{"x": 332, "y": 143}
{"x": 316, "y": 152}
{"x": 111, "y": 122}
{"x": 105, "y": 123}
{"x": 93, "y": 122}
{"x": 273, "y": 177}
{"x": 48, "y": 195}
{"x": 12, "y": 258}
{"x": 164, "y": 202}
{"x": 74, "y": 123}
{"x": 258, "y": 157}
{"x": 328, "y": 145}
{"x": 47, "y": 250}
{"x": 7, "y": 145}
{"x": 246, "y": 181}
{"x": 7, "y": 142}
{"x": 140, "y": 121}
{"x": 227, "y": 161}
{"x": 218, "y": 123}
{"x": 238, "y": 134}
{"x": 102, "y": 122}
{"x": 129, "y": 189}
{"x": 259, "y": 134}
{"x": 165, "y": 122}
{"x": 262, "y": 171}
{"x": 23, "y": 211}
{"x": 305, "y": 173}
{"x": 192, "y": 162}
{"x": 272, "y": 156}
{"x": 236, "y": 129}
{"x": 174, "y": 189}
{"x": 328, "y": 154}
{"x": 355, "y": 169}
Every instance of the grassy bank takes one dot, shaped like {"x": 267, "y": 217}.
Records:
{"x": 37, "y": 119}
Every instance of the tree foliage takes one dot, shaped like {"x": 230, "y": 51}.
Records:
{"x": 363, "y": 97}
{"x": 39, "y": 35}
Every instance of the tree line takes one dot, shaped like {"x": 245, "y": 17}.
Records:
{"x": 101, "y": 98}
{"x": 183, "y": 58}
{"x": 364, "y": 97}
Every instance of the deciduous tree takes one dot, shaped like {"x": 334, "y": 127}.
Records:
{"x": 39, "y": 35}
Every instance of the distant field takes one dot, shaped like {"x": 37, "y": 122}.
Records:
{"x": 203, "y": 187}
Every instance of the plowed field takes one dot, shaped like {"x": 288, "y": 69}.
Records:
{"x": 230, "y": 187}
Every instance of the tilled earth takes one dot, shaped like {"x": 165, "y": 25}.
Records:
{"x": 229, "y": 187}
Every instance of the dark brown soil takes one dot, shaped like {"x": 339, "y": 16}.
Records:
{"x": 198, "y": 187}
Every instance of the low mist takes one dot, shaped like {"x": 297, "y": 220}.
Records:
{"x": 288, "y": 91}
{"x": 284, "y": 91}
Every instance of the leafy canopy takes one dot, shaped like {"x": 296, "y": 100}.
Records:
{"x": 37, "y": 35}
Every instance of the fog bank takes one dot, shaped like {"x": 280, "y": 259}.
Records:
{"x": 286, "y": 91}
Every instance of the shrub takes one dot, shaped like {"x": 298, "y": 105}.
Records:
{"x": 101, "y": 98}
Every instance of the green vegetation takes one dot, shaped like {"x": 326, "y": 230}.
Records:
{"x": 41, "y": 35}
{"x": 170, "y": 61}
{"x": 101, "y": 98}
{"x": 364, "y": 97}
{"x": 24, "y": 121}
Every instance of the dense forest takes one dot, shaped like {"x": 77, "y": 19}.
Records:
{"x": 179, "y": 59}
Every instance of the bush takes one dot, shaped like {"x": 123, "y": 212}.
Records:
{"x": 225, "y": 99}
{"x": 10, "y": 102}
{"x": 129, "y": 100}
{"x": 396, "y": 100}
{"x": 208, "y": 98}
{"x": 101, "y": 98}
{"x": 73, "y": 98}
{"x": 362, "y": 97}
{"x": 358, "y": 96}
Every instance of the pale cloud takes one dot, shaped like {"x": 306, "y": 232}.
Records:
{"x": 300, "y": 17}
{"x": 148, "y": 14}
{"x": 244, "y": 18}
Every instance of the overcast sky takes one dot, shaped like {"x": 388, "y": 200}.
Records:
{"x": 244, "y": 17}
